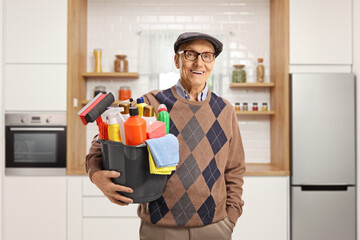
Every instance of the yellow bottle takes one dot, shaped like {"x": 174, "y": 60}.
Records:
{"x": 113, "y": 126}
{"x": 140, "y": 104}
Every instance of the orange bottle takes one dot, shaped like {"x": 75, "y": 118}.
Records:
{"x": 135, "y": 128}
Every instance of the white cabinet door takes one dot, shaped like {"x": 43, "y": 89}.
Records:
{"x": 266, "y": 209}
{"x": 34, "y": 208}
{"x": 35, "y": 31}
{"x": 321, "y": 32}
{"x": 111, "y": 228}
{"x": 35, "y": 87}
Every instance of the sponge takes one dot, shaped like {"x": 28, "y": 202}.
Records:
{"x": 156, "y": 130}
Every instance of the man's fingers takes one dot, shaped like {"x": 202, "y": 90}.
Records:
{"x": 112, "y": 174}
{"x": 120, "y": 188}
{"x": 113, "y": 200}
{"x": 122, "y": 198}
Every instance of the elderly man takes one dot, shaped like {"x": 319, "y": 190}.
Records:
{"x": 202, "y": 198}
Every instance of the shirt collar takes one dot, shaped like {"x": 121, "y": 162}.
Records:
{"x": 184, "y": 94}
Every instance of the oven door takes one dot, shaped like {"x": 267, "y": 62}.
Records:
{"x": 35, "y": 147}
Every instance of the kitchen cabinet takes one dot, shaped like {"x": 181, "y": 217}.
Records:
{"x": 35, "y": 31}
{"x": 266, "y": 209}
{"x": 93, "y": 216}
{"x": 35, "y": 87}
{"x": 321, "y": 32}
{"x": 34, "y": 208}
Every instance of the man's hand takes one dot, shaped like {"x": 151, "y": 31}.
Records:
{"x": 102, "y": 180}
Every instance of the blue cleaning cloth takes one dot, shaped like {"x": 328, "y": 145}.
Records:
{"x": 165, "y": 150}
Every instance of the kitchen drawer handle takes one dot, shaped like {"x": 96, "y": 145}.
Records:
{"x": 324, "y": 188}
{"x": 37, "y": 129}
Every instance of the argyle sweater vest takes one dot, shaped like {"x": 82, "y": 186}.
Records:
{"x": 207, "y": 184}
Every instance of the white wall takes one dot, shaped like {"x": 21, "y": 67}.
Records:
{"x": 356, "y": 70}
{"x": 114, "y": 26}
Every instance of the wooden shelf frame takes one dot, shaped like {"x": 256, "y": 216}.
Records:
{"x": 110, "y": 75}
{"x": 252, "y": 85}
{"x": 255, "y": 113}
{"x": 265, "y": 169}
{"x": 279, "y": 95}
{"x": 279, "y": 99}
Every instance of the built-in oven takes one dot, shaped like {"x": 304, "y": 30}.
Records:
{"x": 35, "y": 143}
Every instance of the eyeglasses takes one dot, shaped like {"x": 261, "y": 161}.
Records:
{"x": 192, "y": 55}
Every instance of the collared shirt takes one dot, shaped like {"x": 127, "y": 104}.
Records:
{"x": 184, "y": 94}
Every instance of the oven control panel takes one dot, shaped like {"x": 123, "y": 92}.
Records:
{"x": 31, "y": 119}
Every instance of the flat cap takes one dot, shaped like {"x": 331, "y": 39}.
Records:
{"x": 189, "y": 36}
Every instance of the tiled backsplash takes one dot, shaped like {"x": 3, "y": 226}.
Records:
{"x": 114, "y": 26}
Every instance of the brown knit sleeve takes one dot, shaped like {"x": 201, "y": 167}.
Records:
{"x": 93, "y": 158}
{"x": 234, "y": 173}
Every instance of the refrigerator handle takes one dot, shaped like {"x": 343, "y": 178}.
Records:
{"x": 324, "y": 188}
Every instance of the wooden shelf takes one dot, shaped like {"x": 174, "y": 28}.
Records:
{"x": 111, "y": 75}
{"x": 261, "y": 113}
{"x": 252, "y": 85}
{"x": 264, "y": 169}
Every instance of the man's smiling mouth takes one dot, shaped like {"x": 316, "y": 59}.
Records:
{"x": 197, "y": 72}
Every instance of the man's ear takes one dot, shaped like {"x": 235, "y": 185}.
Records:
{"x": 177, "y": 61}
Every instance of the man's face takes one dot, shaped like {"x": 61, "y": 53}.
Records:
{"x": 194, "y": 73}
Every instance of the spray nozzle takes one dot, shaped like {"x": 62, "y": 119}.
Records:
{"x": 112, "y": 113}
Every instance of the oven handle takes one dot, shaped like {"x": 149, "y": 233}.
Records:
{"x": 36, "y": 129}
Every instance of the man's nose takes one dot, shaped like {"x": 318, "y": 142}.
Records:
{"x": 199, "y": 61}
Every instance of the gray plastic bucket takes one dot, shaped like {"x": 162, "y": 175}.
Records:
{"x": 133, "y": 164}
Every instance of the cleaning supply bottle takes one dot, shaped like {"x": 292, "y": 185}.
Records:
{"x": 113, "y": 126}
{"x": 140, "y": 104}
{"x": 135, "y": 128}
{"x": 164, "y": 116}
{"x": 149, "y": 115}
{"x": 121, "y": 122}
{"x": 125, "y": 114}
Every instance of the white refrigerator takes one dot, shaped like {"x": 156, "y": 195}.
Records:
{"x": 323, "y": 156}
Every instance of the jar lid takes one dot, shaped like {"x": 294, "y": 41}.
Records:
{"x": 237, "y": 103}
{"x": 102, "y": 88}
{"x": 264, "y": 103}
{"x": 254, "y": 103}
{"x": 125, "y": 88}
{"x": 239, "y": 66}
{"x": 120, "y": 55}
{"x": 260, "y": 60}
{"x": 245, "y": 103}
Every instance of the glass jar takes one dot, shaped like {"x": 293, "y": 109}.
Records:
{"x": 260, "y": 71}
{"x": 255, "y": 107}
{"x": 120, "y": 63}
{"x": 99, "y": 89}
{"x": 245, "y": 107}
{"x": 264, "y": 107}
{"x": 124, "y": 93}
{"x": 239, "y": 74}
{"x": 237, "y": 107}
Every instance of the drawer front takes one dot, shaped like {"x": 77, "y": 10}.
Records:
{"x": 111, "y": 228}
{"x": 102, "y": 207}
